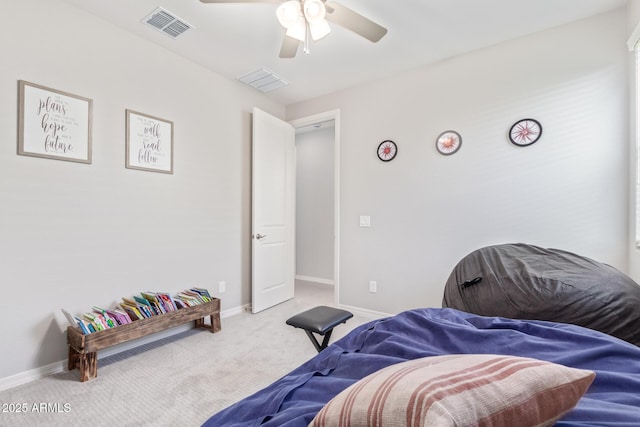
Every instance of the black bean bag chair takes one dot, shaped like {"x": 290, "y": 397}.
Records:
{"x": 522, "y": 281}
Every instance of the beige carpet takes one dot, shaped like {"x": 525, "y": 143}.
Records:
{"x": 177, "y": 381}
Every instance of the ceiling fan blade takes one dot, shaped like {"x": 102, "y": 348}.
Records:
{"x": 355, "y": 22}
{"x": 289, "y": 47}
{"x": 241, "y": 1}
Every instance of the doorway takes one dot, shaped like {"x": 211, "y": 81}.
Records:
{"x": 317, "y": 205}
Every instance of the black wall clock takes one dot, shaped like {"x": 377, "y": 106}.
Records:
{"x": 525, "y": 132}
{"x": 387, "y": 150}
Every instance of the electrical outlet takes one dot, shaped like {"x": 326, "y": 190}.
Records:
{"x": 373, "y": 287}
{"x": 222, "y": 286}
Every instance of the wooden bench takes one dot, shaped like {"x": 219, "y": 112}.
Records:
{"x": 83, "y": 348}
{"x": 320, "y": 320}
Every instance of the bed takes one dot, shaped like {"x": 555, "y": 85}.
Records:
{"x": 613, "y": 399}
{"x": 472, "y": 365}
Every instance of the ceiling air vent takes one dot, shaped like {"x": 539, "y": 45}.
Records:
{"x": 165, "y": 21}
{"x": 263, "y": 80}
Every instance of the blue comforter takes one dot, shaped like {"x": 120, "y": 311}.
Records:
{"x": 612, "y": 400}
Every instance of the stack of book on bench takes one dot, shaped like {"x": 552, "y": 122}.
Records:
{"x": 145, "y": 305}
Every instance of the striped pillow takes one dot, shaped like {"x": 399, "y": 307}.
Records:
{"x": 459, "y": 390}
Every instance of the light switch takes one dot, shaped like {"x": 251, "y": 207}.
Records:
{"x": 365, "y": 221}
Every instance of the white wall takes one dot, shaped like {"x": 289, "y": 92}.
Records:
{"x": 75, "y": 235}
{"x": 633, "y": 15}
{"x": 567, "y": 191}
{"x": 633, "y": 22}
{"x": 314, "y": 204}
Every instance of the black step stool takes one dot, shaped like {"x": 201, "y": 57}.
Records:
{"x": 320, "y": 320}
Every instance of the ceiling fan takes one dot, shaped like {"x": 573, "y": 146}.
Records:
{"x": 307, "y": 19}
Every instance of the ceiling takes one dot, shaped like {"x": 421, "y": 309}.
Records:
{"x": 235, "y": 39}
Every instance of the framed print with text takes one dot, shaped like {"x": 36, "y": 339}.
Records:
{"x": 53, "y": 124}
{"x": 149, "y": 143}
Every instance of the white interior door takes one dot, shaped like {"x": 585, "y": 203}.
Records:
{"x": 273, "y": 211}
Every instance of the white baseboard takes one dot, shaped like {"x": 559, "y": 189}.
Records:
{"x": 61, "y": 366}
{"x": 233, "y": 311}
{"x": 365, "y": 312}
{"x": 315, "y": 280}
{"x": 31, "y": 375}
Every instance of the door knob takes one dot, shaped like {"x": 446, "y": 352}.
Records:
{"x": 260, "y": 236}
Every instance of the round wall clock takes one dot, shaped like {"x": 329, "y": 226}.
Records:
{"x": 387, "y": 150}
{"x": 525, "y": 132}
{"x": 448, "y": 142}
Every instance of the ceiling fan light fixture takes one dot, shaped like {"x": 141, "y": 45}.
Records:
{"x": 289, "y": 13}
{"x": 306, "y": 21}
{"x": 298, "y": 30}
{"x": 314, "y": 11}
{"x": 319, "y": 29}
